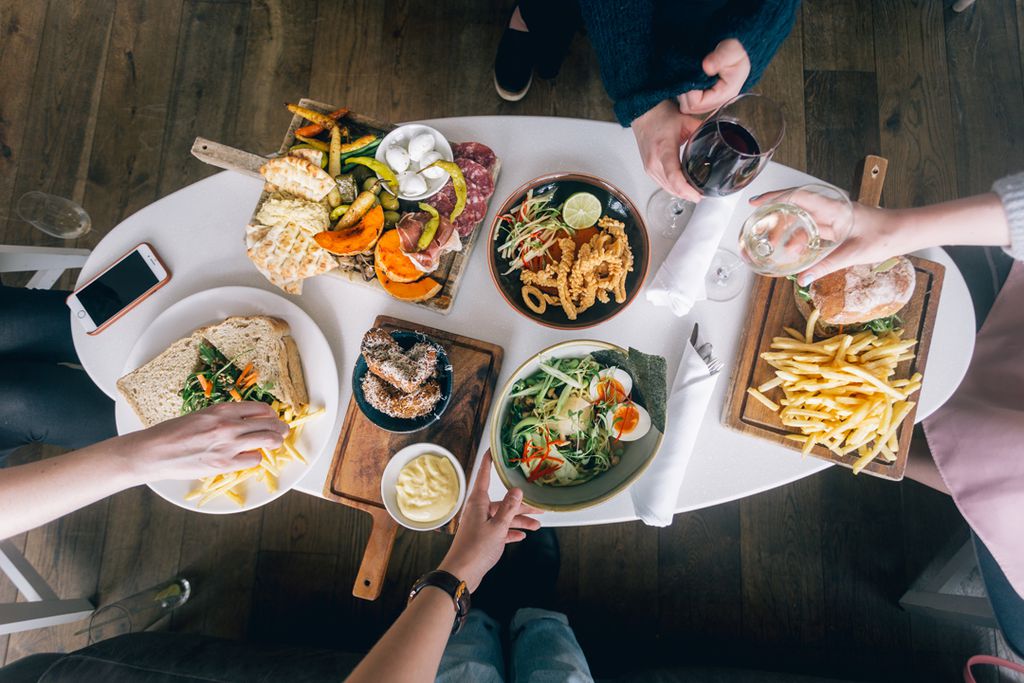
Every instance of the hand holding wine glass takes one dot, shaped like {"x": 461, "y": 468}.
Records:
{"x": 857, "y": 233}
{"x": 659, "y": 133}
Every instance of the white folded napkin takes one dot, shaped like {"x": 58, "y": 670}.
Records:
{"x": 679, "y": 282}
{"x": 656, "y": 492}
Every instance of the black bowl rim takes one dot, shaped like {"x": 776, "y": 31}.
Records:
{"x": 599, "y": 182}
{"x": 360, "y": 369}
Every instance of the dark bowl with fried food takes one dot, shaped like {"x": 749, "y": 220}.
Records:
{"x": 393, "y": 423}
{"x": 540, "y": 306}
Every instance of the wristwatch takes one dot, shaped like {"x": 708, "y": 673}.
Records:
{"x": 450, "y": 585}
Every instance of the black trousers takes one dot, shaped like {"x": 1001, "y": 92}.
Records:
{"x": 40, "y": 399}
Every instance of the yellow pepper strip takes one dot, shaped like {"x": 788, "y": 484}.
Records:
{"x": 334, "y": 162}
{"x": 314, "y": 116}
{"x": 382, "y": 171}
{"x": 430, "y": 229}
{"x": 458, "y": 180}
{"x": 358, "y": 143}
{"x": 313, "y": 142}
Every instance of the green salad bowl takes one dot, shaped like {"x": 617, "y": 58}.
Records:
{"x": 637, "y": 455}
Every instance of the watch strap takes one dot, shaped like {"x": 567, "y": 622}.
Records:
{"x": 451, "y": 585}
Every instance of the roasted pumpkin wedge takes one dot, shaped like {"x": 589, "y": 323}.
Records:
{"x": 358, "y": 239}
{"x": 421, "y": 290}
{"x": 389, "y": 257}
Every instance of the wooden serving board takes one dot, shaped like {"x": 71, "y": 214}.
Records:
{"x": 772, "y": 307}
{"x": 363, "y": 449}
{"x": 449, "y": 271}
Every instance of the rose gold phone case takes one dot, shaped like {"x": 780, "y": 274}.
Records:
{"x": 145, "y": 295}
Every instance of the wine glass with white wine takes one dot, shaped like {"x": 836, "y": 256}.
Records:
{"x": 792, "y": 232}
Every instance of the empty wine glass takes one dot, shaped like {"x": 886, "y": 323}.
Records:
{"x": 724, "y": 279}
{"x": 795, "y": 230}
{"x": 56, "y": 216}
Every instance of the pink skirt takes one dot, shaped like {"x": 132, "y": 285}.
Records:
{"x": 977, "y": 437}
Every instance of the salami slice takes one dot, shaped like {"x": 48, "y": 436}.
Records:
{"x": 444, "y": 200}
{"x": 475, "y": 151}
{"x": 476, "y": 209}
{"x": 476, "y": 176}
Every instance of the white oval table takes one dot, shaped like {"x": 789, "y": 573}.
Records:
{"x": 199, "y": 232}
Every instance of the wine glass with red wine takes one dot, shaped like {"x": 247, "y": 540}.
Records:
{"x": 731, "y": 147}
{"x": 724, "y": 155}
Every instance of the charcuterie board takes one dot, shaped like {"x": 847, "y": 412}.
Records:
{"x": 773, "y": 307}
{"x": 359, "y": 269}
{"x": 363, "y": 449}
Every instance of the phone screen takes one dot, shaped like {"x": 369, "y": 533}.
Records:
{"x": 121, "y": 285}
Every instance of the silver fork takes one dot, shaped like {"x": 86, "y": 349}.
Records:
{"x": 705, "y": 352}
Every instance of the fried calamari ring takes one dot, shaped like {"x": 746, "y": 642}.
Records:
{"x": 534, "y": 299}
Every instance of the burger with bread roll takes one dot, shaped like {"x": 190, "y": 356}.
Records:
{"x": 864, "y": 297}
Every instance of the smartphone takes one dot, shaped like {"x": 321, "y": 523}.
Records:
{"x": 118, "y": 289}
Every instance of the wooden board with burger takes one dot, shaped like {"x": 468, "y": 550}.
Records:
{"x": 833, "y": 370}
{"x": 364, "y": 448}
{"x": 356, "y": 198}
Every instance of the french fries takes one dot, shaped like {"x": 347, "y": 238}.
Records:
{"x": 268, "y": 470}
{"x": 840, "y": 392}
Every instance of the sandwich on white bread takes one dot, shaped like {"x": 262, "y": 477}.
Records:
{"x": 154, "y": 390}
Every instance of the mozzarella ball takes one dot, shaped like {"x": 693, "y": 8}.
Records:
{"x": 411, "y": 185}
{"x": 397, "y": 158}
{"x": 421, "y": 145}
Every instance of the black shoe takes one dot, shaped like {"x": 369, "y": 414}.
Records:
{"x": 513, "y": 65}
{"x": 526, "y": 576}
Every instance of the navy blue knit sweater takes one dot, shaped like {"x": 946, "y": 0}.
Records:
{"x": 651, "y": 50}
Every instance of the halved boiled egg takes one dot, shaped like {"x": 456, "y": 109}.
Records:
{"x": 628, "y": 421}
{"x": 612, "y": 385}
{"x": 574, "y": 417}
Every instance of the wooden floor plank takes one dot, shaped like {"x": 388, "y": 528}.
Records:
{"x": 297, "y": 522}
{"x": 783, "y": 81}
{"x": 278, "y": 58}
{"x": 836, "y": 144}
{"x": 142, "y": 546}
{"x": 988, "y": 94}
{"x": 618, "y": 570}
{"x": 699, "y": 554}
{"x": 914, "y": 106}
{"x": 207, "y": 81}
{"x": 839, "y": 35}
{"x": 780, "y": 546}
{"x": 352, "y": 56}
{"x": 9, "y": 593}
{"x": 125, "y": 162}
{"x": 64, "y": 96}
{"x": 218, "y": 555}
{"x": 21, "y": 24}
{"x": 67, "y": 554}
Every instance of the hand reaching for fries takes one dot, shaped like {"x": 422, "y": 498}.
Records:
{"x": 221, "y": 438}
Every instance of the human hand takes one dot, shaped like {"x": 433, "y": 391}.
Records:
{"x": 222, "y": 438}
{"x": 659, "y": 132}
{"x": 875, "y": 236}
{"x": 728, "y": 61}
{"x": 484, "y": 529}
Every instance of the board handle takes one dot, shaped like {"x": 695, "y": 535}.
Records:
{"x": 872, "y": 179}
{"x": 370, "y": 578}
{"x": 229, "y": 158}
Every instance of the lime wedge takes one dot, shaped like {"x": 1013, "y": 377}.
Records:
{"x": 581, "y": 210}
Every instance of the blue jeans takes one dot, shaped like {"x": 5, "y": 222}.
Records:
{"x": 544, "y": 650}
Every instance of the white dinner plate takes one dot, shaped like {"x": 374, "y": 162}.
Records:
{"x": 319, "y": 369}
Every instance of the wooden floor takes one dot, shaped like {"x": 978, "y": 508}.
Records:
{"x": 100, "y": 102}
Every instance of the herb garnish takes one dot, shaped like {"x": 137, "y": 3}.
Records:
{"x": 218, "y": 380}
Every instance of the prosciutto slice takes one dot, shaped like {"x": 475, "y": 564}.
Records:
{"x": 446, "y": 239}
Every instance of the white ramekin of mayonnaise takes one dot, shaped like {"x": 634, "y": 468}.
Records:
{"x": 423, "y": 486}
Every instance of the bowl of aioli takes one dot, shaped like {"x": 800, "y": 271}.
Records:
{"x": 423, "y": 486}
